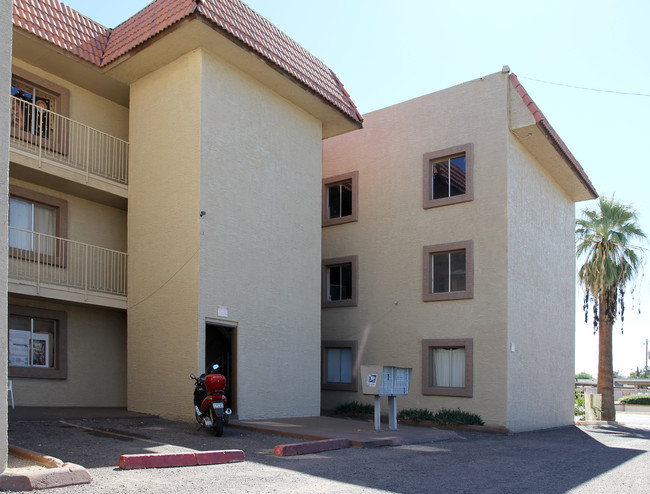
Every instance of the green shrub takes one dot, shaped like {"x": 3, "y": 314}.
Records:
{"x": 579, "y": 407}
{"x": 355, "y": 407}
{"x": 636, "y": 399}
{"x": 456, "y": 417}
{"x": 443, "y": 416}
{"x": 415, "y": 414}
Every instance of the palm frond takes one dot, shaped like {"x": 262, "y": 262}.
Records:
{"x": 606, "y": 237}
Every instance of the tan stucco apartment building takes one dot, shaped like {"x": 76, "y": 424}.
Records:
{"x": 448, "y": 248}
{"x": 174, "y": 148}
{"x": 192, "y": 186}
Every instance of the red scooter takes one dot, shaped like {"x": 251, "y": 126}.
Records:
{"x": 210, "y": 403}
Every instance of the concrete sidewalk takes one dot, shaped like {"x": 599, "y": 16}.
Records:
{"x": 360, "y": 433}
{"x": 48, "y": 413}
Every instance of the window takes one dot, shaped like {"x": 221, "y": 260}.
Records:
{"x": 448, "y": 367}
{"x": 37, "y": 343}
{"x": 448, "y": 176}
{"x": 339, "y": 365}
{"x": 340, "y": 199}
{"x": 448, "y": 271}
{"x": 34, "y": 217}
{"x": 35, "y": 220}
{"x": 27, "y": 105}
{"x": 35, "y": 104}
{"x": 340, "y": 279}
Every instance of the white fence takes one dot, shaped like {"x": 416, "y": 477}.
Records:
{"x": 45, "y": 259}
{"x": 48, "y": 135}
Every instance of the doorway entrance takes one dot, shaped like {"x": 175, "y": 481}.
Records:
{"x": 220, "y": 347}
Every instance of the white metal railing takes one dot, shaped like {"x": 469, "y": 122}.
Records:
{"x": 52, "y": 260}
{"x": 48, "y": 135}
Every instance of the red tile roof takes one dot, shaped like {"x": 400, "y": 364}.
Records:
{"x": 75, "y": 33}
{"x": 553, "y": 136}
{"x": 62, "y": 26}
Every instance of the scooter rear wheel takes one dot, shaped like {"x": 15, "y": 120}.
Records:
{"x": 218, "y": 427}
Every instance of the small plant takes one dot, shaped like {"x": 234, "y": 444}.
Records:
{"x": 456, "y": 417}
{"x": 443, "y": 416}
{"x": 355, "y": 407}
{"x": 415, "y": 414}
{"x": 636, "y": 399}
{"x": 579, "y": 407}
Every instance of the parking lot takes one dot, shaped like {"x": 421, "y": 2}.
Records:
{"x": 588, "y": 459}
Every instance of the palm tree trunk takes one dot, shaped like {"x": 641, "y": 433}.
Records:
{"x": 605, "y": 360}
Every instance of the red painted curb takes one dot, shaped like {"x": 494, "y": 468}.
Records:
{"x": 311, "y": 447}
{"x": 215, "y": 457}
{"x": 191, "y": 458}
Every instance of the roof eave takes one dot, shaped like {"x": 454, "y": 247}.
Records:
{"x": 523, "y": 126}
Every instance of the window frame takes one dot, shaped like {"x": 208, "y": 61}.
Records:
{"x": 428, "y": 388}
{"x": 427, "y": 253}
{"x": 427, "y": 178}
{"x": 353, "y": 177}
{"x": 61, "y": 215}
{"x": 60, "y": 371}
{"x": 340, "y": 344}
{"x": 354, "y": 292}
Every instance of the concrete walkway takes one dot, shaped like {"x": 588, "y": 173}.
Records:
{"x": 360, "y": 433}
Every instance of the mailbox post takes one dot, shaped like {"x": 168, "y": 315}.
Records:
{"x": 381, "y": 381}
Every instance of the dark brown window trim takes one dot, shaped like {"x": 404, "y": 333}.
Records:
{"x": 61, "y": 369}
{"x": 427, "y": 367}
{"x": 327, "y": 182}
{"x": 325, "y": 385}
{"x": 61, "y": 207}
{"x": 468, "y": 151}
{"x": 337, "y": 261}
{"x": 427, "y": 251}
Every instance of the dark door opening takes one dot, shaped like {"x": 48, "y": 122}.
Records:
{"x": 220, "y": 349}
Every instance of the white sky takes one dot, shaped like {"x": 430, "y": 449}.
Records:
{"x": 386, "y": 52}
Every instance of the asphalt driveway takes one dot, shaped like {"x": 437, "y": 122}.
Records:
{"x": 588, "y": 459}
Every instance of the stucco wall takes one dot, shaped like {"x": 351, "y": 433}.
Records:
{"x": 260, "y": 240}
{"x": 541, "y": 296}
{"x": 391, "y": 319}
{"x": 163, "y": 237}
{"x": 96, "y": 355}
{"x": 5, "y": 71}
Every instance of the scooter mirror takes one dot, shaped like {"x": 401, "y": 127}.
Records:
{"x": 215, "y": 367}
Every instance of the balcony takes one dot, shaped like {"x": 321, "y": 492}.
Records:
{"x": 62, "y": 269}
{"x": 56, "y": 144}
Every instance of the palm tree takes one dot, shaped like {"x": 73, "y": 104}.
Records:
{"x": 605, "y": 235}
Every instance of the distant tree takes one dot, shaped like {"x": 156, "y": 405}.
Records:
{"x": 584, "y": 375}
{"x": 617, "y": 373}
{"x": 637, "y": 374}
{"x": 605, "y": 235}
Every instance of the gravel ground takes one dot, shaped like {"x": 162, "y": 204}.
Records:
{"x": 588, "y": 459}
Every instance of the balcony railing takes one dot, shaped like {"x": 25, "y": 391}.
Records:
{"x": 47, "y": 260}
{"x": 50, "y": 136}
